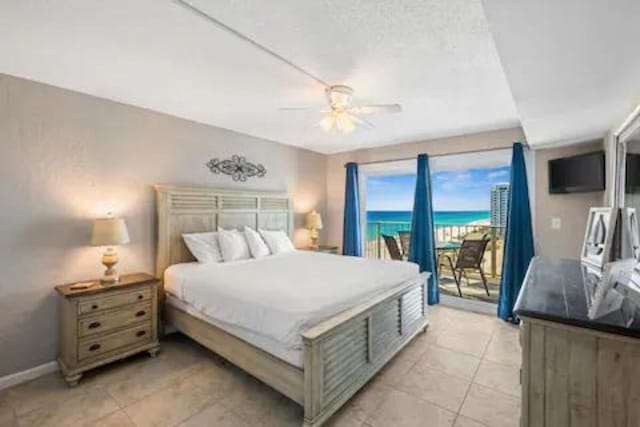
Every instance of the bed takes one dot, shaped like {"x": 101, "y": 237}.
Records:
{"x": 317, "y": 346}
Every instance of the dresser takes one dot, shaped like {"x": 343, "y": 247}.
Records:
{"x": 106, "y": 322}
{"x": 580, "y": 350}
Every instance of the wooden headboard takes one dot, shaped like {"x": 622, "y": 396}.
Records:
{"x": 189, "y": 209}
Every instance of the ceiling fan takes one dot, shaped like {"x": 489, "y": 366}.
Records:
{"x": 342, "y": 115}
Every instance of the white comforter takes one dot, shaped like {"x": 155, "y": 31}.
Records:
{"x": 280, "y": 296}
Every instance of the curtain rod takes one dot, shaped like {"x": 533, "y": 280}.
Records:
{"x": 482, "y": 150}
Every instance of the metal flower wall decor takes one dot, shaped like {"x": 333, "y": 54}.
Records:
{"x": 237, "y": 167}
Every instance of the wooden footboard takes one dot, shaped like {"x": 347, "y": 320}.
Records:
{"x": 340, "y": 355}
{"x": 344, "y": 352}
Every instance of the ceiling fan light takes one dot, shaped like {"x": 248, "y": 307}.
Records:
{"x": 327, "y": 123}
{"x": 339, "y": 96}
{"x": 344, "y": 123}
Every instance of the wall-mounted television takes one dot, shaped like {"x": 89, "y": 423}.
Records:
{"x": 632, "y": 178}
{"x": 576, "y": 174}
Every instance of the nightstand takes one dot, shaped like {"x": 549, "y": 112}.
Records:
{"x": 106, "y": 322}
{"x": 322, "y": 248}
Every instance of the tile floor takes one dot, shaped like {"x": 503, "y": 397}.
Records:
{"x": 463, "y": 372}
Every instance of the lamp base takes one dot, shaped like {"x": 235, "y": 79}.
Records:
{"x": 110, "y": 280}
{"x": 313, "y": 235}
{"x": 109, "y": 260}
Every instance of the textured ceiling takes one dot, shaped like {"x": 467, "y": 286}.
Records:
{"x": 434, "y": 57}
{"x": 573, "y": 65}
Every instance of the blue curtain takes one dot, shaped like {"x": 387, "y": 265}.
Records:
{"x": 518, "y": 248}
{"x": 351, "y": 239}
{"x": 422, "y": 246}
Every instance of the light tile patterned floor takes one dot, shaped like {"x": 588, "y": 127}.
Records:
{"x": 463, "y": 372}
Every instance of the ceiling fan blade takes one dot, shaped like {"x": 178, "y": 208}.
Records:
{"x": 377, "y": 109}
{"x": 362, "y": 122}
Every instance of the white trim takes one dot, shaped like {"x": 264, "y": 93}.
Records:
{"x": 619, "y": 139}
{"x": 629, "y": 125}
{"x": 28, "y": 374}
{"x": 469, "y": 305}
{"x": 390, "y": 167}
{"x": 471, "y": 160}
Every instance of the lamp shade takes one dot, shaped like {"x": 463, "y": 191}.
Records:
{"x": 314, "y": 220}
{"x": 109, "y": 231}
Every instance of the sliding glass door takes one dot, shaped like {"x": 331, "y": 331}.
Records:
{"x": 470, "y": 199}
{"x": 470, "y": 202}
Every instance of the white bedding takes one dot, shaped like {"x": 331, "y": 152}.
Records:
{"x": 280, "y": 296}
{"x": 292, "y": 356}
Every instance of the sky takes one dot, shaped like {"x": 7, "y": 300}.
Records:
{"x": 460, "y": 190}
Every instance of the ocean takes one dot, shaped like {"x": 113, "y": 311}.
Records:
{"x": 440, "y": 218}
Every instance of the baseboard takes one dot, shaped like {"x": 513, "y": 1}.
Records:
{"x": 28, "y": 375}
{"x": 469, "y": 305}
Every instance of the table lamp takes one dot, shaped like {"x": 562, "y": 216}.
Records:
{"x": 314, "y": 223}
{"x": 109, "y": 232}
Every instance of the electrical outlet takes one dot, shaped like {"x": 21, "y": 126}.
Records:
{"x": 556, "y": 223}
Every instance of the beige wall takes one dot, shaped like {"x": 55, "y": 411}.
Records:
{"x": 572, "y": 209}
{"x": 335, "y": 166}
{"x": 67, "y": 158}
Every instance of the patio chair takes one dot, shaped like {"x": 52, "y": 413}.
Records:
{"x": 405, "y": 242}
{"x": 392, "y": 247}
{"x": 469, "y": 256}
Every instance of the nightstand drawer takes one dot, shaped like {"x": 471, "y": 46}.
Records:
{"x": 114, "y": 319}
{"x": 88, "y": 347}
{"x": 92, "y": 305}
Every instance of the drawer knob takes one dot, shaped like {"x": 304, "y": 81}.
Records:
{"x": 141, "y": 313}
{"x": 94, "y": 307}
{"x": 94, "y": 325}
{"x": 140, "y": 296}
{"x": 94, "y": 347}
{"x": 140, "y": 333}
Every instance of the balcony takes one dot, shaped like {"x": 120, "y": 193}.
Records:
{"x": 448, "y": 238}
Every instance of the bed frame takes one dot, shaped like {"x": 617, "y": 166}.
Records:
{"x": 340, "y": 354}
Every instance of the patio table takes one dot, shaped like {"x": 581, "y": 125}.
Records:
{"x": 443, "y": 247}
{"x": 448, "y": 246}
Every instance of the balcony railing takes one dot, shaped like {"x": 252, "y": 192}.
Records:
{"x": 445, "y": 233}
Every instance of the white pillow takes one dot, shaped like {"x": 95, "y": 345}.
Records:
{"x": 257, "y": 246}
{"x": 203, "y": 246}
{"x": 233, "y": 245}
{"x": 278, "y": 241}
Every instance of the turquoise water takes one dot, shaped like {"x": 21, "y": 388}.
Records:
{"x": 440, "y": 218}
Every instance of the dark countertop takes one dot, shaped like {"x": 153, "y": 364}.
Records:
{"x": 572, "y": 293}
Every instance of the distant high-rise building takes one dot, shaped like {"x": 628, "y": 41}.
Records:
{"x": 499, "y": 206}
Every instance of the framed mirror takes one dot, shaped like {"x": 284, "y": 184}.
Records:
{"x": 627, "y": 186}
